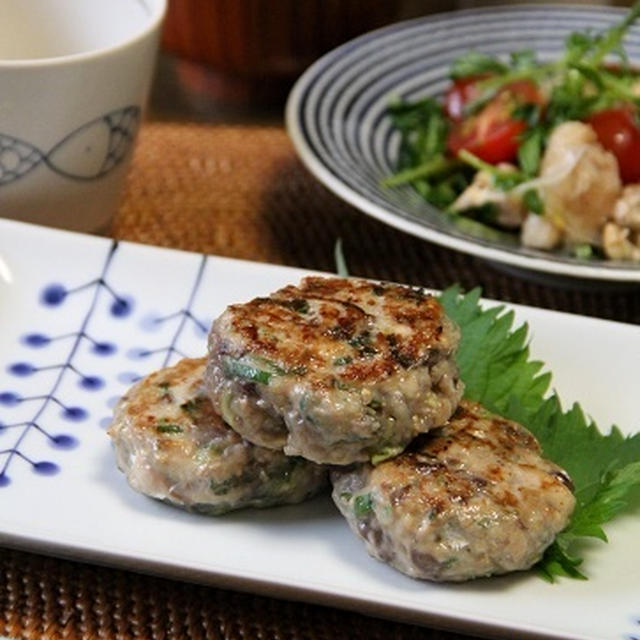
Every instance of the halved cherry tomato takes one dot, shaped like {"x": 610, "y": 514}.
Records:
{"x": 492, "y": 134}
{"x": 493, "y": 140}
{"x": 466, "y": 90}
{"x": 619, "y": 132}
{"x": 461, "y": 92}
{"x": 525, "y": 92}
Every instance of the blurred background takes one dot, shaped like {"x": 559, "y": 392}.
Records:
{"x": 236, "y": 60}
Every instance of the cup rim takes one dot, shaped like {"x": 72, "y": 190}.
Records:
{"x": 158, "y": 9}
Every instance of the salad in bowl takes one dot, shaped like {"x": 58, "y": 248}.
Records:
{"x": 546, "y": 151}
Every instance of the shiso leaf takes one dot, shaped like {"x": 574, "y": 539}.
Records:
{"x": 498, "y": 372}
{"x": 494, "y": 359}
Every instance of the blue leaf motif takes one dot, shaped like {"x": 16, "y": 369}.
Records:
{"x": 183, "y": 318}
{"x": 52, "y": 296}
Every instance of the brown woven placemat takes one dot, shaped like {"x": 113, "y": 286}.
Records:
{"x": 53, "y": 599}
{"x": 241, "y": 192}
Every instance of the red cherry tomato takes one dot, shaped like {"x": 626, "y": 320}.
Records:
{"x": 619, "y": 133}
{"x": 495, "y": 142}
{"x": 465, "y": 90}
{"x": 461, "y": 92}
{"x": 492, "y": 134}
{"x": 526, "y": 92}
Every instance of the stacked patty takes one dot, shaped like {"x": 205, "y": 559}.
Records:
{"x": 361, "y": 378}
{"x": 172, "y": 445}
{"x": 473, "y": 498}
{"x": 335, "y": 370}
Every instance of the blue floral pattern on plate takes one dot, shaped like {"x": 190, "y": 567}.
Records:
{"x": 117, "y": 306}
{"x": 52, "y": 297}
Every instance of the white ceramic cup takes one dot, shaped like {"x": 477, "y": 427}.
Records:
{"x": 74, "y": 79}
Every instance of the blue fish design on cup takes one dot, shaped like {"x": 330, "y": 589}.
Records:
{"x": 87, "y": 153}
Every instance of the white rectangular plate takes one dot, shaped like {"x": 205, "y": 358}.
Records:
{"x": 81, "y": 317}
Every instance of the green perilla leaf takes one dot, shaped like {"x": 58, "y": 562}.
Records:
{"x": 498, "y": 372}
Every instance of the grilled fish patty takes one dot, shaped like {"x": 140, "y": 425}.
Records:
{"x": 471, "y": 499}
{"x": 335, "y": 370}
{"x": 172, "y": 445}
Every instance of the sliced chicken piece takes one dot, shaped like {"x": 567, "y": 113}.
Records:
{"x": 626, "y": 212}
{"x": 510, "y": 210}
{"x": 539, "y": 233}
{"x": 621, "y": 243}
{"x": 579, "y": 183}
{"x": 621, "y": 236}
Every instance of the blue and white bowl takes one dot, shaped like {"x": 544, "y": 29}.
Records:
{"x": 337, "y": 116}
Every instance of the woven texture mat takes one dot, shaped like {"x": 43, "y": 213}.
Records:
{"x": 241, "y": 192}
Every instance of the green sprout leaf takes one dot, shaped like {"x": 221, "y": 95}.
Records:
{"x": 533, "y": 201}
{"x": 251, "y": 369}
{"x": 530, "y": 152}
{"x": 341, "y": 264}
{"x": 169, "y": 427}
{"x": 475, "y": 63}
{"x": 363, "y": 505}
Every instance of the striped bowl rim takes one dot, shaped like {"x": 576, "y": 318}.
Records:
{"x": 336, "y": 117}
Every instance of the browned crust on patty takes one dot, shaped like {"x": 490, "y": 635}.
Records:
{"x": 330, "y": 327}
{"x": 472, "y": 498}
{"x": 154, "y": 395}
{"x": 502, "y": 441}
{"x": 172, "y": 445}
